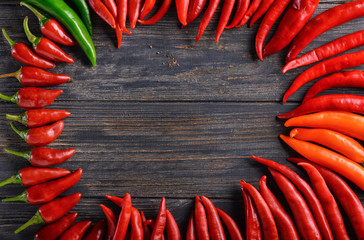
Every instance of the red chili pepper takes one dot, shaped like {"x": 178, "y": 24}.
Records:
{"x": 101, "y": 10}
{"x": 137, "y": 232}
{"x": 305, "y": 222}
{"x": 160, "y": 223}
{"x": 52, "y": 211}
{"x": 215, "y": 226}
{"x": 111, "y": 222}
{"x": 191, "y": 232}
{"x": 173, "y": 232}
{"x": 122, "y": 14}
{"x": 119, "y": 34}
{"x": 45, "y": 157}
{"x": 211, "y": 8}
{"x": 251, "y": 217}
{"x": 306, "y": 191}
{"x": 146, "y": 229}
{"x": 38, "y": 117}
{"x": 36, "y": 77}
{"x": 40, "y": 136}
{"x": 24, "y": 54}
{"x": 321, "y": 23}
{"x": 133, "y": 11}
{"x": 182, "y": 9}
{"x": 326, "y": 67}
{"x": 54, "y": 230}
{"x": 251, "y": 10}
{"x": 117, "y": 200}
{"x": 97, "y": 232}
{"x": 45, "y": 47}
{"x": 344, "y": 194}
{"x": 158, "y": 16}
{"x": 194, "y": 9}
{"x": 269, "y": 19}
{"x": 124, "y": 218}
{"x": 202, "y": 229}
{"x": 147, "y": 7}
{"x": 30, "y": 176}
{"x": 76, "y": 232}
{"x": 269, "y": 228}
{"x": 224, "y": 17}
{"x": 294, "y": 19}
{"x": 327, "y": 200}
{"x": 50, "y": 28}
{"x": 262, "y": 9}
{"x": 241, "y": 8}
{"x": 45, "y": 192}
{"x": 111, "y": 6}
{"x": 285, "y": 225}
{"x": 230, "y": 224}
{"x": 32, "y": 97}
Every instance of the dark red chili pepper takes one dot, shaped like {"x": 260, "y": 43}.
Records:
{"x": 326, "y": 67}
{"x": 111, "y": 222}
{"x": 39, "y": 117}
{"x": 146, "y": 229}
{"x": 36, "y": 77}
{"x": 136, "y": 225}
{"x": 54, "y": 230}
{"x": 77, "y": 231}
{"x": 202, "y": 229}
{"x": 133, "y": 11}
{"x": 50, "y": 28}
{"x": 147, "y": 7}
{"x": 111, "y": 6}
{"x": 294, "y": 19}
{"x": 182, "y": 9}
{"x": 32, "y": 97}
{"x": 119, "y": 34}
{"x": 101, "y": 10}
{"x": 241, "y": 8}
{"x": 215, "y": 226}
{"x": 24, "y": 54}
{"x": 262, "y": 9}
{"x": 122, "y": 14}
{"x": 40, "y": 136}
{"x": 173, "y": 232}
{"x": 224, "y": 17}
{"x": 30, "y": 176}
{"x": 249, "y": 13}
{"x": 191, "y": 231}
{"x": 117, "y": 200}
{"x": 285, "y": 225}
{"x": 158, "y": 16}
{"x": 251, "y": 217}
{"x": 52, "y": 211}
{"x": 45, "y": 157}
{"x": 211, "y": 8}
{"x": 45, "y": 47}
{"x": 97, "y": 232}
{"x": 45, "y": 192}
{"x": 124, "y": 218}
{"x": 230, "y": 224}
{"x": 194, "y": 9}
{"x": 160, "y": 223}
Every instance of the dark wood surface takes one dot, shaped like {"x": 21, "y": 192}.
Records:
{"x": 161, "y": 116}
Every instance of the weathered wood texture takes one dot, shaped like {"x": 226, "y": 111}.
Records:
{"x": 162, "y": 116}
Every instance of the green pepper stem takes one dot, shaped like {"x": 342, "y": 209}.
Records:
{"x": 32, "y": 39}
{"x": 21, "y": 198}
{"x": 6, "y": 98}
{"x": 7, "y": 181}
{"x": 13, "y": 74}
{"x": 41, "y": 18}
{"x": 25, "y": 155}
{"x": 22, "y": 134}
{"x": 11, "y": 42}
{"x": 36, "y": 219}
{"x": 16, "y": 118}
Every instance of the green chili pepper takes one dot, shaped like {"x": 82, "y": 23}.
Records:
{"x": 84, "y": 12}
{"x": 68, "y": 17}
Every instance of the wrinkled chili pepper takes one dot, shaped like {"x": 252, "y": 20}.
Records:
{"x": 294, "y": 19}
{"x": 158, "y": 15}
{"x": 194, "y": 9}
{"x": 249, "y": 13}
{"x": 216, "y": 229}
{"x": 146, "y": 229}
{"x": 111, "y": 222}
{"x": 40, "y": 136}
{"x": 191, "y": 229}
{"x": 241, "y": 8}
{"x": 37, "y": 77}
{"x": 45, "y": 157}
{"x": 173, "y": 232}
{"x": 84, "y": 11}
{"x": 77, "y": 231}
{"x": 54, "y": 230}
{"x": 285, "y": 225}
{"x": 97, "y": 232}
{"x": 211, "y": 8}
{"x": 323, "y": 68}
{"x": 202, "y": 229}
{"x": 122, "y": 14}
{"x": 182, "y": 9}
{"x": 230, "y": 224}
{"x": 39, "y": 117}
{"x": 30, "y": 176}
{"x": 147, "y": 7}
{"x": 45, "y": 192}
{"x": 160, "y": 223}
{"x": 252, "y": 223}
{"x": 262, "y": 9}
{"x": 124, "y": 218}
{"x": 133, "y": 11}
{"x": 136, "y": 225}
{"x": 101, "y": 10}
{"x": 52, "y": 211}
{"x": 224, "y": 17}
{"x": 24, "y": 54}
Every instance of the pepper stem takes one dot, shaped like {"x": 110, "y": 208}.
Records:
{"x": 13, "y": 179}
{"x": 36, "y": 219}
{"x": 13, "y": 74}
{"x": 17, "y": 118}
{"x": 25, "y": 155}
{"x": 6, "y": 98}
{"x": 32, "y": 39}
{"x": 22, "y": 134}
{"x": 21, "y": 198}
{"x": 41, "y": 18}
{"x": 11, "y": 42}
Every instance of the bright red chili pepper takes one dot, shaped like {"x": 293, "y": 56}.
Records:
{"x": 158, "y": 16}
{"x": 45, "y": 157}
{"x": 202, "y": 229}
{"x": 182, "y": 9}
{"x": 136, "y": 225}
{"x": 224, "y": 17}
{"x": 194, "y": 9}
{"x": 146, "y": 229}
{"x": 251, "y": 217}
{"x": 117, "y": 200}
{"x": 45, "y": 192}
{"x": 285, "y": 225}
{"x": 241, "y": 8}
{"x": 160, "y": 223}
{"x": 111, "y": 6}
{"x": 147, "y": 7}
{"x": 230, "y": 224}
{"x": 173, "y": 232}
{"x": 344, "y": 194}
{"x": 40, "y": 136}
{"x": 211, "y": 8}
{"x": 24, "y": 54}
{"x": 262, "y": 9}
{"x": 111, "y": 222}
{"x": 77, "y": 231}
{"x": 294, "y": 19}
{"x": 269, "y": 19}
{"x": 133, "y": 11}
{"x": 321, "y": 23}
{"x": 101, "y": 10}
{"x": 249, "y": 13}
{"x": 52, "y": 211}
{"x": 45, "y": 47}
{"x": 122, "y": 14}
{"x": 119, "y": 34}
{"x": 215, "y": 226}
{"x": 328, "y": 202}
{"x": 124, "y": 218}
{"x": 50, "y": 28}
{"x": 326, "y": 67}
{"x": 54, "y": 230}
{"x": 191, "y": 231}
{"x": 30, "y": 176}
{"x": 97, "y": 232}
{"x": 36, "y": 77}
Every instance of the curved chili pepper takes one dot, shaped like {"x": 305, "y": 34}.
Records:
{"x": 262, "y": 9}
{"x": 47, "y": 191}
{"x": 158, "y": 16}
{"x": 122, "y": 14}
{"x": 323, "y": 68}
{"x": 101, "y": 10}
{"x": 285, "y": 225}
{"x": 147, "y": 7}
{"x": 124, "y": 218}
{"x": 241, "y": 8}
{"x": 324, "y": 21}
{"x": 30, "y": 176}
{"x": 202, "y": 229}
{"x": 327, "y": 158}
{"x": 97, "y": 232}
{"x": 133, "y": 11}
{"x": 117, "y": 200}
{"x": 224, "y": 17}
{"x": 111, "y": 222}
{"x": 45, "y": 157}
{"x": 38, "y": 117}
{"x": 211, "y": 8}
{"x": 119, "y": 34}
{"x": 173, "y": 232}
{"x": 194, "y": 9}
{"x": 252, "y": 223}
{"x": 52, "y": 211}
{"x": 249, "y": 13}
{"x": 269, "y": 228}
{"x": 54, "y": 230}
{"x": 230, "y": 224}
{"x": 160, "y": 223}
{"x": 306, "y": 191}
{"x": 136, "y": 225}
{"x": 146, "y": 229}
{"x": 331, "y": 139}
{"x": 328, "y": 202}
{"x": 191, "y": 231}
{"x": 296, "y": 16}
{"x": 111, "y": 6}
{"x": 269, "y": 19}
{"x": 40, "y": 136}
{"x": 84, "y": 11}
{"x": 76, "y": 232}
{"x": 344, "y": 194}
{"x": 215, "y": 226}
{"x": 24, "y": 54}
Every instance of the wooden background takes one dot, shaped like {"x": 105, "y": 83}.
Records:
{"x": 161, "y": 116}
